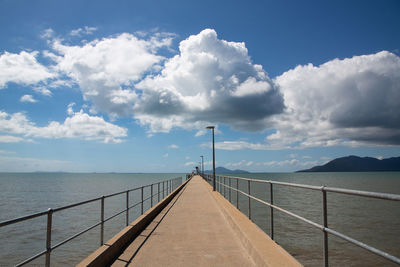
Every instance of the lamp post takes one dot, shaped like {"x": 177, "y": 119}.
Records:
{"x": 202, "y": 166}
{"x": 212, "y": 128}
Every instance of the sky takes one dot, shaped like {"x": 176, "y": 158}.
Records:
{"x": 129, "y": 86}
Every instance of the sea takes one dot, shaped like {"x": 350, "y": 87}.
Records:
{"x": 375, "y": 222}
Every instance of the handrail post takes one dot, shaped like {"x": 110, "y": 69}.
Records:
{"x": 102, "y": 222}
{"x": 237, "y": 193}
{"x": 127, "y": 207}
{"x": 142, "y": 200}
{"x": 230, "y": 189}
{"x": 248, "y": 187}
{"x": 271, "y": 200}
{"x": 158, "y": 191}
{"x": 325, "y": 217}
{"x": 48, "y": 236}
{"x": 151, "y": 198}
{"x": 224, "y": 184}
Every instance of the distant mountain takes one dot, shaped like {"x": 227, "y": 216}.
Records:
{"x": 358, "y": 164}
{"x": 225, "y": 170}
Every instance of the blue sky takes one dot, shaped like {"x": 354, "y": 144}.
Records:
{"x": 129, "y": 86}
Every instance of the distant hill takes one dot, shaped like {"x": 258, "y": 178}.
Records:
{"x": 358, "y": 164}
{"x": 225, "y": 170}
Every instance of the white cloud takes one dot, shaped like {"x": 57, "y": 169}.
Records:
{"x": 239, "y": 145}
{"x": 165, "y": 155}
{"x": 83, "y": 31}
{"x": 106, "y": 69}
{"x": 349, "y": 102}
{"x": 27, "y": 98}
{"x": 209, "y": 81}
{"x": 79, "y": 125}
{"x": 48, "y": 33}
{"x": 10, "y": 139}
{"x": 22, "y": 68}
{"x": 173, "y": 146}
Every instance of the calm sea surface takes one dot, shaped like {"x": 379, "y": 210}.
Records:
{"x": 372, "y": 221}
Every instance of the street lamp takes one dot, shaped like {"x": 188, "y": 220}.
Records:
{"x": 212, "y": 128}
{"x": 202, "y": 166}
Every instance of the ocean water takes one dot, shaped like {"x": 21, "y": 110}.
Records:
{"x": 27, "y": 193}
{"x": 372, "y": 221}
{"x": 375, "y": 222}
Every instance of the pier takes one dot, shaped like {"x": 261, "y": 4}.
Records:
{"x": 198, "y": 227}
{"x": 189, "y": 224}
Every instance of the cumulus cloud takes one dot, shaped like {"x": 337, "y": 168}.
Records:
{"x": 22, "y": 68}
{"x": 106, "y": 69}
{"x": 209, "y": 81}
{"x": 173, "y": 146}
{"x": 27, "y": 98}
{"x": 79, "y": 125}
{"x": 352, "y": 101}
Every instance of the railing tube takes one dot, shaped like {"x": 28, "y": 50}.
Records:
{"x": 102, "y": 222}
{"x": 127, "y": 207}
{"x": 271, "y": 200}
{"x": 48, "y": 236}
{"x": 325, "y": 217}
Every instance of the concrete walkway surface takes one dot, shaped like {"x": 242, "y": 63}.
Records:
{"x": 193, "y": 230}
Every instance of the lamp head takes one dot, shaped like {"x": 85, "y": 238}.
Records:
{"x": 210, "y": 127}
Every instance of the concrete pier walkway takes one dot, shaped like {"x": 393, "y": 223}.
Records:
{"x": 201, "y": 228}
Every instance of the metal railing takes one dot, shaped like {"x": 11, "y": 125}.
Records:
{"x": 222, "y": 185}
{"x": 167, "y": 187}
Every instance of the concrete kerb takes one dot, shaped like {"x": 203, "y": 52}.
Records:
{"x": 263, "y": 250}
{"x": 109, "y": 252}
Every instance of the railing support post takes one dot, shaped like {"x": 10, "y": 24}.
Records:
{"x": 158, "y": 191}
{"x": 325, "y": 216}
{"x": 127, "y": 207}
{"x": 271, "y": 200}
{"x": 224, "y": 185}
{"x": 141, "y": 189}
{"x": 48, "y": 236}
{"x": 230, "y": 189}
{"x": 102, "y": 222}
{"x": 151, "y": 197}
{"x": 237, "y": 193}
{"x": 248, "y": 189}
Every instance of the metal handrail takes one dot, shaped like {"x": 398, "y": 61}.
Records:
{"x": 324, "y": 228}
{"x": 170, "y": 185}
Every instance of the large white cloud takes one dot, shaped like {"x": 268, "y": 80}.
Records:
{"x": 209, "y": 81}
{"x": 79, "y": 125}
{"x": 22, "y": 68}
{"x": 105, "y": 69}
{"x": 350, "y": 101}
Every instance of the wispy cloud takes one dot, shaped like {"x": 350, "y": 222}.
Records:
{"x": 83, "y": 31}
{"x": 27, "y": 98}
{"x": 173, "y": 146}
